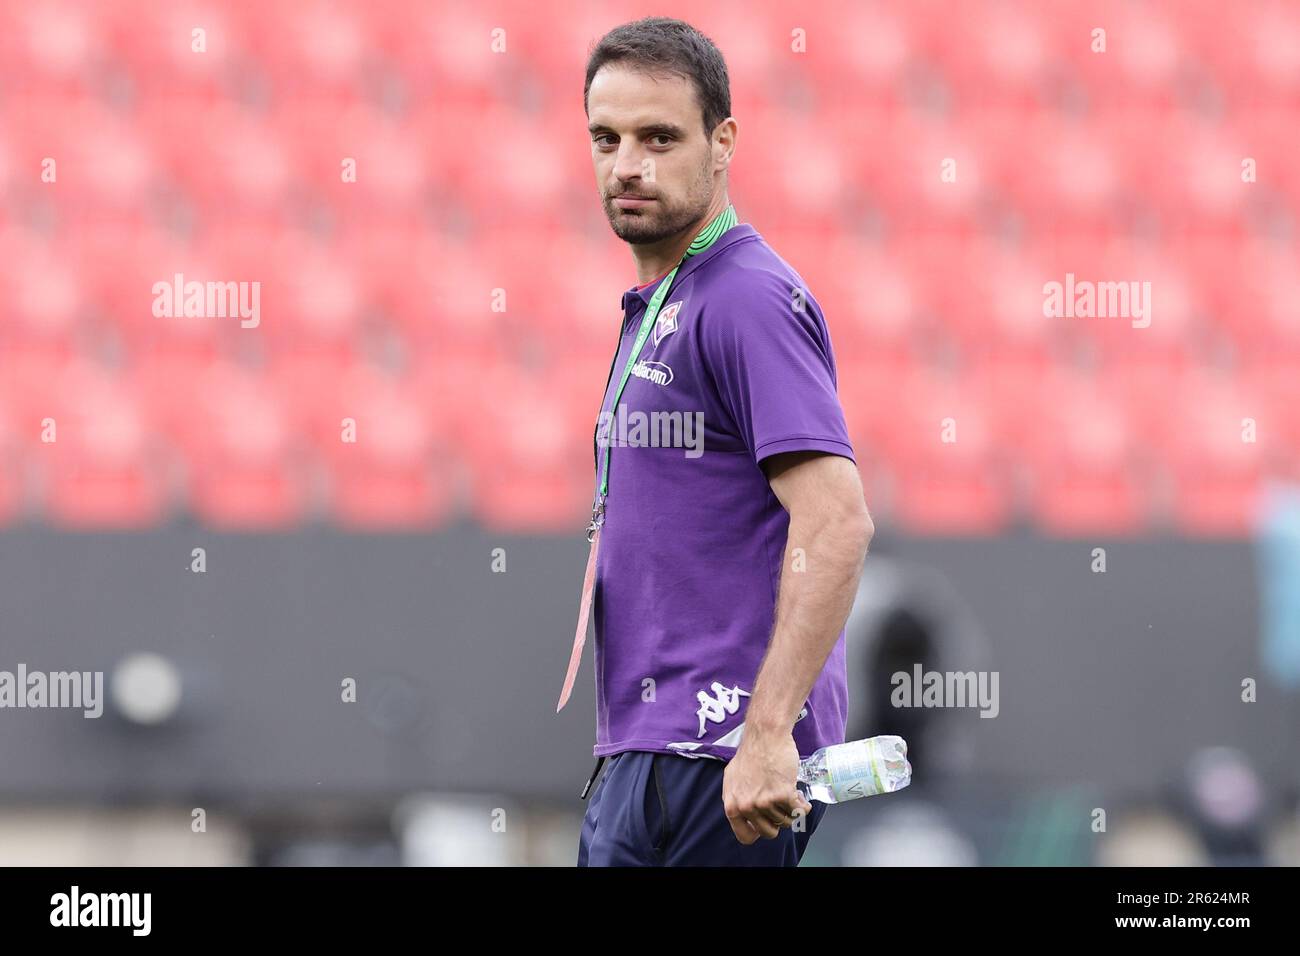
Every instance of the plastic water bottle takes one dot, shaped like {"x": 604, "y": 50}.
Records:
{"x": 861, "y": 768}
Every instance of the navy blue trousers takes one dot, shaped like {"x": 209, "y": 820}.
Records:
{"x": 658, "y": 809}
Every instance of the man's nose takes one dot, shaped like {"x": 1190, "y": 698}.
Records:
{"x": 629, "y": 163}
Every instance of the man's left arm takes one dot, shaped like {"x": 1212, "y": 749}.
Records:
{"x": 829, "y": 521}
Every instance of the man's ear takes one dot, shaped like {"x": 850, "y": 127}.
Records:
{"x": 724, "y": 143}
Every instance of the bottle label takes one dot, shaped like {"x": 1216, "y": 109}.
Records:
{"x": 853, "y": 770}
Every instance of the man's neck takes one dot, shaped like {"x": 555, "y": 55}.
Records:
{"x": 655, "y": 259}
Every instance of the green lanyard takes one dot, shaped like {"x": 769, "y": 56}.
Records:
{"x": 707, "y": 237}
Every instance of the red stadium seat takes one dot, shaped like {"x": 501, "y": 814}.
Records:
{"x": 938, "y": 442}
{"x": 245, "y": 473}
{"x": 1223, "y": 442}
{"x": 1086, "y": 471}
{"x": 13, "y": 468}
{"x": 382, "y": 452}
{"x": 102, "y": 469}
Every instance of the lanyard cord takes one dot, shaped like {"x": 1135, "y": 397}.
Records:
{"x": 707, "y": 237}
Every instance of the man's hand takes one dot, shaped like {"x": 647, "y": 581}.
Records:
{"x": 830, "y": 525}
{"x": 758, "y": 786}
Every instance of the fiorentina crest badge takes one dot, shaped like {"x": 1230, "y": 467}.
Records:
{"x": 666, "y": 322}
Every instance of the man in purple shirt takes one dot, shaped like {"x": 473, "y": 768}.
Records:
{"x": 732, "y": 526}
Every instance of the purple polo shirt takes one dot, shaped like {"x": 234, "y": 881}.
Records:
{"x": 694, "y": 539}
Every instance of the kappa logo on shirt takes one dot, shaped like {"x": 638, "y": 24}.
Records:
{"x": 666, "y": 323}
{"x": 724, "y": 703}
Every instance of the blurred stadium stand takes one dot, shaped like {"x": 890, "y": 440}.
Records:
{"x": 473, "y": 175}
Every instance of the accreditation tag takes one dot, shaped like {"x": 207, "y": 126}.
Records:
{"x": 584, "y": 612}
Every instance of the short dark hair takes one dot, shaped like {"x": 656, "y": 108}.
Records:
{"x": 665, "y": 45}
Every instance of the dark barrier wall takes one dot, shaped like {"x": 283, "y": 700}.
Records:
{"x": 1114, "y": 678}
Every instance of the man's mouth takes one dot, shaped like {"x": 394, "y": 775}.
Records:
{"x": 631, "y": 202}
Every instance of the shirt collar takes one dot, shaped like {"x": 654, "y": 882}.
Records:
{"x": 733, "y": 235}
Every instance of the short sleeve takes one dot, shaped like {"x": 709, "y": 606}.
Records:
{"x": 773, "y": 367}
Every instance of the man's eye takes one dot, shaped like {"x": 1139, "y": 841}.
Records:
{"x": 600, "y": 140}
{"x": 667, "y": 140}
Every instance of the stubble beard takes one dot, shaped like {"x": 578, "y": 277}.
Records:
{"x": 660, "y": 221}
